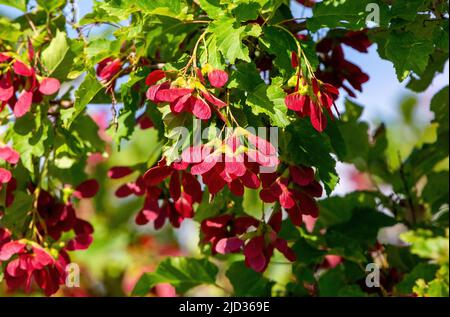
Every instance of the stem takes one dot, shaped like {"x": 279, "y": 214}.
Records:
{"x": 30, "y": 22}
{"x": 193, "y": 59}
{"x": 300, "y": 51}
{"x": 206, "y": 49}
{"x": 73, "y": 20}
{"x": 290, "y": 20}
{"x": 407, "y": 191}
{"x": 113, "y": 109}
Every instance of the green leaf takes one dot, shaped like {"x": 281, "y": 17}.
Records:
{"x": 54, "y": 54}
{"x": 296, "y": 289}
{"x": 213, "y": 8}
{"x": 401, "y": 258}
{"x": 280, "y": 44}
{"x": 31, "y": 136}
{"x": 167, "y": 37}
{"x": 338, "y": 209}
{"x": 364, "y": 225}
{"x": 423, "y": 160}
{"x": 352, "y": 238}
{"x": 246, "y": 77}
{"x": 306, "y": 253}
{"x": 353, "y": 111}
{"x": 88, "y": 89}
{"x": 51, "y": 5}
{"x": 98, "y": 15}
{"x": 75, "y": 174}
{"x": 269, "y": 100}
{"x": 439, "y": 287}
{"x": 247, "y": 282}
{"x": 214, "y": 57}
{"x": 223, "y": 202}
{"x": 303, "y": 273}
{"x": 252, "y": 204}
{"x": 440, "y": 106}
{"x": 425, "y": 271}
{"x": 350, "y": 14}
{"x": 126, "y": 123}
{"x": 73, "y": 63}
{"x": 16, "y": 215}
{"x": 246, "y": 11}
{"x": 181, "y": 272}
{"x": 408, "y": 53}
{"x": 229, "y": 36}
{"x": 9, "y": 31}
{"x": 289, "y": 231}
{"x": 436, "y": 65}
{"x": 436, "y": 190}
{"x": 86, "y": 131}
{"x": 331, "y": 282}
{"x": 262, "y": 99}
{"x": 406, "y": 10}
{"x": 426, "y": 245}
{"x": 302, "y": 144}
{"x": 356, "y": 142}
{"x": 309, "y": 48}
{"x": 99, "y": 49}
{"x": 335, "y": 283}
{"x": 171, "y": 8}
{"x": 18, "y": 4}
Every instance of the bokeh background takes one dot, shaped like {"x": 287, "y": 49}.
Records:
{"x": 122, "y": 251}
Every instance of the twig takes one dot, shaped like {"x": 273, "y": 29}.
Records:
{"x": 73, "y": 20}
{"x": 406, "y": 189}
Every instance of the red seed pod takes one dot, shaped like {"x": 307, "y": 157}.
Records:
{"x": 218, "y": 78}
{"x": 9, "y": 155}
{"x": 87, "y": 189}
{"x": 49, "y": 86}
{"x": 23, "y": 104}
{"x": 294, "y": 59}
{"x": 145, "y": 122}
{"x": 22, "y": 69}
{"x": 5, "y": 176}
{"x": 119, "y": 172}
{"x": 154, "y": 77}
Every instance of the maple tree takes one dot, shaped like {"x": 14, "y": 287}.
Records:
{"x": 260, "y": 199}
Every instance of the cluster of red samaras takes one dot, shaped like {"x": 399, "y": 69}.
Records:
{"x": 173, "y": 201}
{"x": 34, "y": 263}
{"x": 188, "y": 94}
{"x": 230, "y": 163}
{"x": 336, "y": 69}
{"x": 312, "y": 99}
{"x": 255, "y": 238}
{"x": 28, "y": 261}
{"x": 172, "y": 190}
{"x": 295, "y": 191}
{"x": 20, "y": 86}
